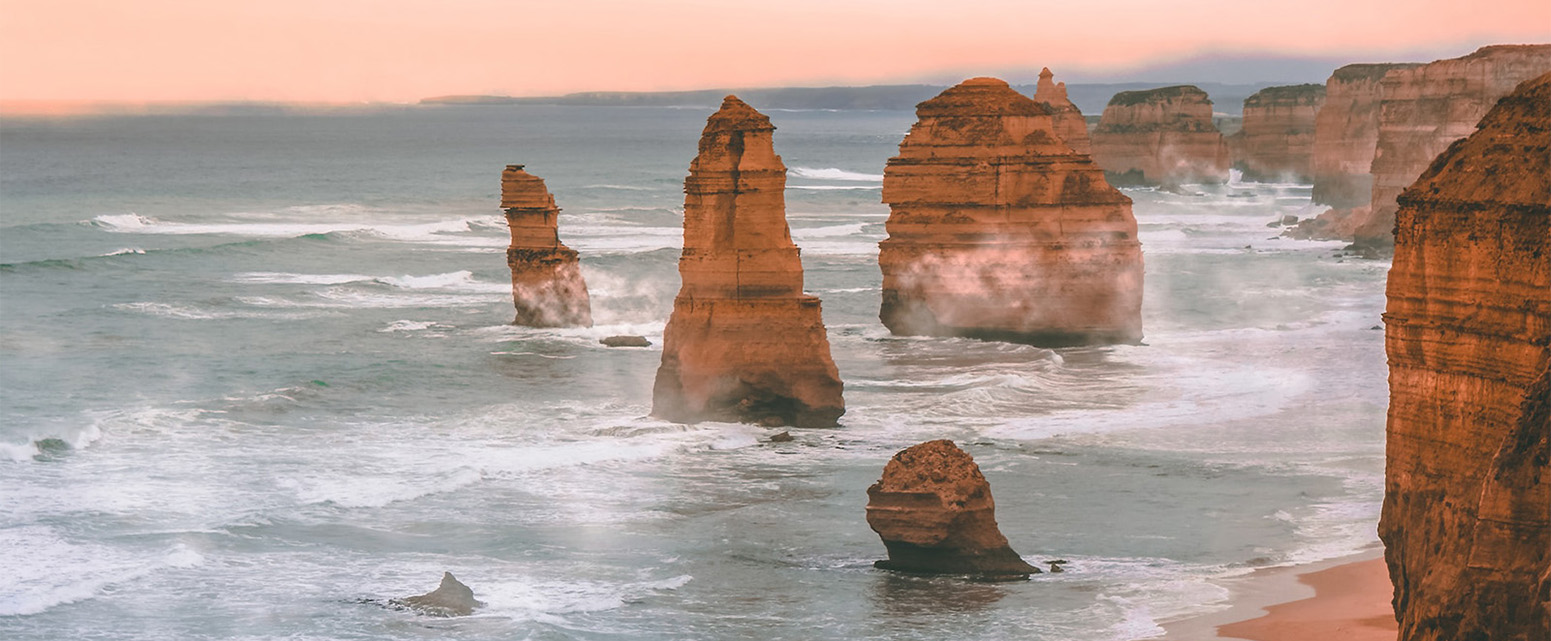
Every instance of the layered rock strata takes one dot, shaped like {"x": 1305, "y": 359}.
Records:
{"x": 1346, "y": 131}
{"x": 1069, "y": 123}
{"x": 1160, "y": 136}
{"x": 744, "y": 343}
{"x": 1277, "y": 140}
{"x": 1467, "y": 508}
{"x": 934, "y": 511}
{"x": 1426, "y": 108}
{"x": 999, "y": 230}
{"x": 547, "y": 285}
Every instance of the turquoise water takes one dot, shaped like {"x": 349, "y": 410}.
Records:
{"x": 256, "y": 367}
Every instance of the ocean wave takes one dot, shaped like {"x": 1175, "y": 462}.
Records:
{"x": 41, "y": 570}
{"x": 462, "y": 281}
{"x": 834, "y": 187}
{"x": 831, "y": 231}
{"x": 283, "y": 278}
{"x": 429, "y": 231}
{"x": 619, "y": 187}
{"x": 834, "y": 173}
{"x": 43, "y": 443}
{"x": 124, "y": 251}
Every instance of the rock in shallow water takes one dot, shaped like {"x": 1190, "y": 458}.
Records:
{"x": 450, "y": 599}
{"x": 626, "y": 341}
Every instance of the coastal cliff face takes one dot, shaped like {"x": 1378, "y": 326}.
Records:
{"x": 744, "y": 343}
{"x": 1467, "y": 507}
{"x": 1346, "y": 131}
{"x": 1426, "y": 108}
{"x": 934, "y": 511}
{"x": 1068, "y": 121}
{"x": 1160, "y": 136}
{"x": 547, "y": 285}
{"x": 999, "y": 230}
{"x": 1277, "y": 141}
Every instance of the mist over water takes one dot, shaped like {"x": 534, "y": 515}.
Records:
{"x": 257, "y": 367}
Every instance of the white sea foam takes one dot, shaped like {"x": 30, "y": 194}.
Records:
{"x": 834, "y": 187}
{"x": 125, "y": 251}
{"x": 830, "y": 231}
{"x": 433, "y": 232}
{"x": 34, "y": 442}
{"x": 281, "y": 278}
{"x": 460, "y": 281}
{"x": 122, "y": 221}
{"x": 41, "y": 570}
{"x": 833, "y": 173}
{"x": 619, "y": 187}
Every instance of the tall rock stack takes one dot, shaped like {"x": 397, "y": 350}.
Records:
{"x": 1069, "y": 122}
{"x": 1346, "y": 131}
{"x": 999, "y": 230}
{"x": 1160, "y": 136}
{"x": 1467, "y": 505}
{"x": 1277, "y": 141}
{"x": 1428, "y": 107}
{"x": 547, "y": 284}
{"x": 744, "y": 342}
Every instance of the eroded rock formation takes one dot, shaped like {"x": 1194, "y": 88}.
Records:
{"x": 547, "y": 284}
{"x": 1346, "y": 131}
{"x": 450, "y": 599}
{"x": 1160, "y": 136}
{"x": 744, "y": 342}
{"x": 1467, "y": 507}
{"x": 1277, "y": 141}
{"x": 1069, "y": 123}
{"x": 934, "y": 512}
{"x": 999, "y": 230}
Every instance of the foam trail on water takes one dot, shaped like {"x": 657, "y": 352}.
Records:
{"x": 833, "y": 173}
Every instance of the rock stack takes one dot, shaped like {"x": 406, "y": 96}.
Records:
{"x": 1070, "y": 125}
{"x": 1467, "y": 504}
{"x": 999, "y": 230}
{"x": 1346, "y": 131}
{"x": 934, "y": 512}
{"x": 547, "y": 284}
{"x": 1160, "y": 136}
{"x": 744, "y": 342}
{"x": 1277, "y": 140}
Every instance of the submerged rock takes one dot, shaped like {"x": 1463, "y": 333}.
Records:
{"x": 626, "y": 341}
{"x": 934, "y": 512}
{"x": 547, "y": 285}
{"x": 450, "y": 599}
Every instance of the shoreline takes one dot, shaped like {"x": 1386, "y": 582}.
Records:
{"x": 1342, "y": 599}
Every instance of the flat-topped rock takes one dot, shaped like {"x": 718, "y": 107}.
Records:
{"x": 1160, "y": 136}
{"x": 1276, "y": 142}
{"x": 547, "y": 285}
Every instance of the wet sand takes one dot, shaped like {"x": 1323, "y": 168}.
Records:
{"x": 1339, "y": 600}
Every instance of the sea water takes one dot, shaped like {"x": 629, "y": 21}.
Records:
{"x": 257, "y": 368}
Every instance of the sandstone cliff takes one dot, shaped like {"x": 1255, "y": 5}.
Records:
{"x": 1277, "y": 140}
{"x": 744, "y": 343}
{"x": 1428, "y": 107}
{"x": 1069, "y": 123}
{"x": 1160, "y": 136}
{"x": 547, "y": 284}
{"x": 1467, "y": 507}
{"x": 1346, "y": 130}
{"x": 934, "y": 512}
{"x": 998, "y": 230}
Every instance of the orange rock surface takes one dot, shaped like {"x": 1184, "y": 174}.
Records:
{"x": 1160, "y": 136}
{"x": 1467, "y": 508}
{"x": 934, "y": 511}
{"x": 744, "y": 343}
{"x": 1277, "y": 141}
{"x": 998, "y": 230}
{"x": 1426, "y": 108}
{"x": 547, "y": 284}
{"x": 1346, "y": 131}
{"x": 1068, "y": 120}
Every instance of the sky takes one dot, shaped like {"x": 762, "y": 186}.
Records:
{"x": 404, "y": 50}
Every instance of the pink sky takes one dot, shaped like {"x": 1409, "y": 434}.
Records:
{"x": 403, "y": 50}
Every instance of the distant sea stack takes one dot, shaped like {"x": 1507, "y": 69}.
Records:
{"x": 1467, "y": 504}
{"x": 999, "y": 230}
{"x": 1160, "y": 136}
{"x": 1346, "y": 131}
{"x": 934, "y": 512}
{"x": 1428, "y": 107}
{"x": 547, "y": 284}
{"x": 1069, "y": 122}
{"x": 1277, "y": 141}
{"x": 744, "y": 343}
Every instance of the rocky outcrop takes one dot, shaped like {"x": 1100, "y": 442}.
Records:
{"x": 934, "y": 512}
{"x": 450, "y": 599}
{"x": 547, "y": 284}
{"x": 1276, "y": 142}
{"x": 1346, "y": 131}
{"x": 1160, "y": 136}
{"x": 1428, "y": 107}
{"x": 1467, "y": 507}
{"x": 1069, "y": 123}
{"x": 998, "y": 230}
{"x": 744, "y": 343}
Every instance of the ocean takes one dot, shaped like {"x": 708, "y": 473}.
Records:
{"x": 256, "y": 368}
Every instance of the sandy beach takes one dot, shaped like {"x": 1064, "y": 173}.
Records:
{"x": 1345, "y": 599}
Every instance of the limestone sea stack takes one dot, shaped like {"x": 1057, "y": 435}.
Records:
{"x": 999, "y": 230}
{"x": 1069, "y": 123}
{"x": 450, "y": 599}
{"x": 1466, "y": 522}
{"x": 547, "y": 284}
{"x": 1428, "y": 107}
{"x": 934, "y": 512}
{"x": 744, "y": 343}
{"x": 1346, "y": 131}
{"x": 1160, "y": 136}
{"x": 1277, "y": 140}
